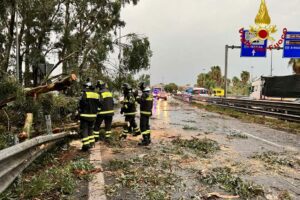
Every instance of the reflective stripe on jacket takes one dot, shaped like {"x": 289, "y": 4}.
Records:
{"x": 106, "y": 103}
{"x": 129, "y": 107}
{"x": 146, "y": 103}
{"x": 88, "y": 104}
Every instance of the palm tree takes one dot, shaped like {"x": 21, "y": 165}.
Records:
{"x": 295, "y": 63}
{"x": 245, "y": 76}
{"x": 235, "y": 81}
{"x": 216, "y": 75}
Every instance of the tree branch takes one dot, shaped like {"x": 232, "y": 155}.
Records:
{"x": 57, "y": 64}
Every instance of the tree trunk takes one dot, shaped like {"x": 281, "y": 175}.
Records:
{"x": 27, "y": 127}
{"x": 66, "y": 35}
{"x": 27, "y": 76}
{"x": 21, "y": 56}
{"x": 56, "y": 86}
{"x": 296, "y": 66}
{"x": 10, "y": 35}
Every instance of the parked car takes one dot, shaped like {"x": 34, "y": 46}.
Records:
{"x": 163, "y": 95}
{"x": 203, "y": 92}
{"x": 218, "y": 92}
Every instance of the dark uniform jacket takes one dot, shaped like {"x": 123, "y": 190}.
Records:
{"x": 88, "y": 105}
{"x": 106, "y": 103}
{"x": 129, "y": 107}
{"x": 146, "y": 103}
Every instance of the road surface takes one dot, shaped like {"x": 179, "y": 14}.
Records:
{"x": 170, "y": 170}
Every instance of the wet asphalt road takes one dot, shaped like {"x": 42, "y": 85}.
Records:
{"x": 174, "y": 118}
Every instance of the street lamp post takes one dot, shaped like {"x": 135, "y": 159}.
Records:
{"x": 203, "y": 69}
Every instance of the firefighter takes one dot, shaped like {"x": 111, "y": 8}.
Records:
{"x": 88, "y": 106}
{"x": 146, "y": 104}
{"x": 129, "y": 110}
{"x": 105, "y": 112}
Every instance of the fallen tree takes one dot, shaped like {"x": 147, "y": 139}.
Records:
{"x": 34, "y": 92}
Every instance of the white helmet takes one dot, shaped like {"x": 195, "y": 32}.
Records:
{"x": 147, "y": 89}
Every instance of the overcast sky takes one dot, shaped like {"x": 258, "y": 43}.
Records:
{"x": 189, "y": 36}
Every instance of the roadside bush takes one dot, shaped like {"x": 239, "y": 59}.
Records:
{"x": 6, "y": 138}
{"x": 8, "y": 87}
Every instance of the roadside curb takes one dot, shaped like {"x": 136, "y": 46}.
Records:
{"x": 96, "y": 187}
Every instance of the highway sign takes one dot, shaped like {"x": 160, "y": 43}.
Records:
{"x": 257, "y": 48}
{"x": 292, "y": 45}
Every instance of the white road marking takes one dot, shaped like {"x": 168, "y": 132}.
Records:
{"x": 97, "y": 185}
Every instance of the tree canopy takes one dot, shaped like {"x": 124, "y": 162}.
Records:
{"x": 295, "y": 63}
{"x": 80, "y": 34}
{"x": 212, "y": 79}
{"x": 171, "y": 87}
{"x": 215, "y": 79}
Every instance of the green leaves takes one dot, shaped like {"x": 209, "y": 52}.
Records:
{"x": 79, "y": 34}
{"x": 172, "y": 87}
{"x": 200, "y": 146}
{"x": 136, "y": 54}
{"x": 230, "y": 183}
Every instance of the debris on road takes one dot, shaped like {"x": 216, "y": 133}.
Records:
{"x": 224, "y": 178}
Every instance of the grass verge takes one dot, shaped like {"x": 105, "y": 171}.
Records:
{"x": 55, "y": 175}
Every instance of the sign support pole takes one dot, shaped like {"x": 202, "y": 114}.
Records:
{"x": 227, "y": 47}
{"x": 226, "y": 66}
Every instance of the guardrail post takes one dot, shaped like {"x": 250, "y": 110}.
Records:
{"x": 48, "y": 124}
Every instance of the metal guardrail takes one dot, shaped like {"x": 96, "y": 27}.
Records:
{"x": 282, "y": 110}
{"x": 15, "y": 159}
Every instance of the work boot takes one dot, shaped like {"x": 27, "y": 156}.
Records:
{"x": 123, "y": 137}
{"x": 85, "y": 148}
{"x": 135, "y": 134}
{"x": 96, "y": 136}
{"x": 145, "y": 141}
{"x": 107, "y": 140}
{"x": 101, "y": 137}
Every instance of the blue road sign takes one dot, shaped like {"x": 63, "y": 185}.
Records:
{"x": 257, "y": 48}
{"x": 291, "y": 47}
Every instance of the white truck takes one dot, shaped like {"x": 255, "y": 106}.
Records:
{"x": 285, "y": 88}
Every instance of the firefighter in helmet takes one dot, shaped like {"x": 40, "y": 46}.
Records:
{"x": 88, "y": 106}
{"x": 105, "y": 112}
{"x": 146, "y": 104}
{"x": 129, "y": 110}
